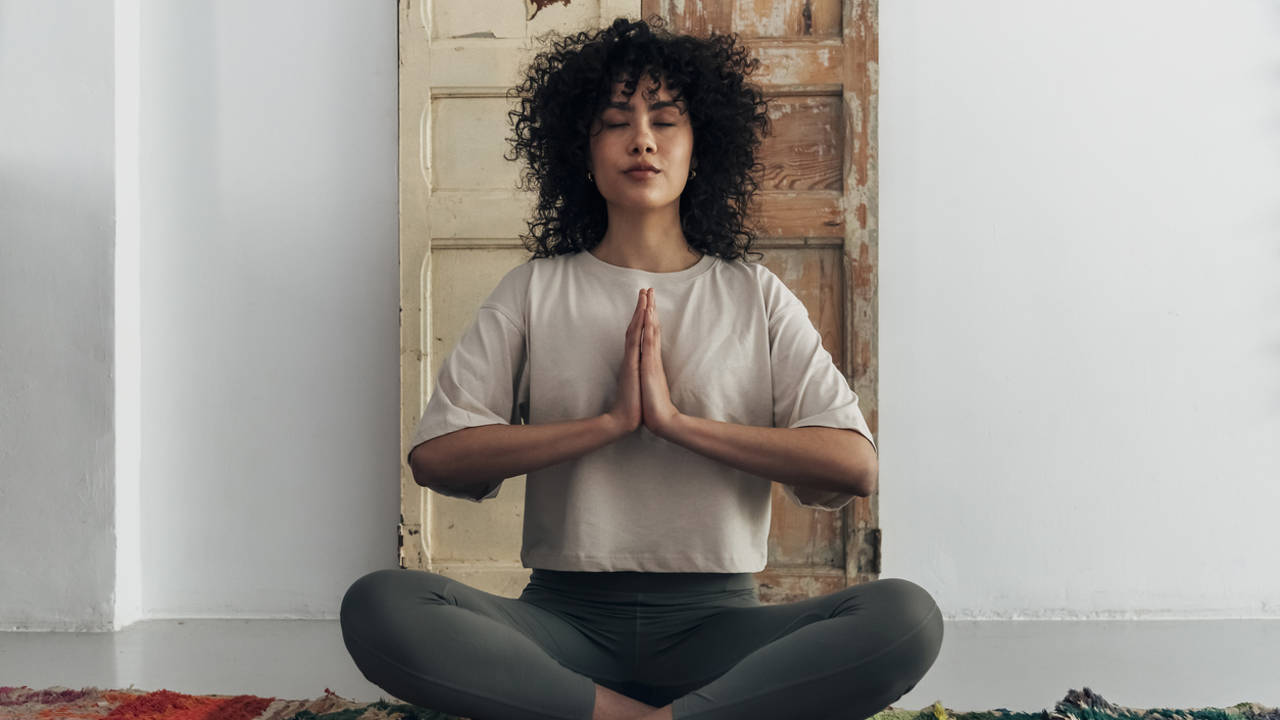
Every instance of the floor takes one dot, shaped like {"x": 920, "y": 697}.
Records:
{"x": 1018, "y": 665}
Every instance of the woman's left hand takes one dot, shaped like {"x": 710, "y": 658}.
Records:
{"x": 658, "y": 413}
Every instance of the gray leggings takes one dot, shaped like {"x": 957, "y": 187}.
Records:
{"x": 702, "y": 642}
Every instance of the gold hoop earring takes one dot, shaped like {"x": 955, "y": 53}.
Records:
{"x": 589, "y": 178}
{"x": 692, "y": 173}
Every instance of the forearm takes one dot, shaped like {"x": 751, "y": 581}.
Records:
{"x": 478, "y": 455}
{"x": 821, "y": 459}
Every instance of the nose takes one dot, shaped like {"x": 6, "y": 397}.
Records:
{"x": 643, "y": 141}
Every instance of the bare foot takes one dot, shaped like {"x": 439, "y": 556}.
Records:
{"x": 616, "y": 706}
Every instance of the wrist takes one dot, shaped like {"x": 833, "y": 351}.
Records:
{"x": 614, "y": 427}
{"x": 671, "y": 428}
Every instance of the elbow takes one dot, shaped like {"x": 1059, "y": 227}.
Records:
{"x": 870, "y": 483}
{"x": 873, "y": 476}
{"x": 421, "y": 466}
{"x": 861, "y": 466}
{"x": 866, "y": 478}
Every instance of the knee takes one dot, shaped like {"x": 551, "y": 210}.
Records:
{"x": 918, "y": 612}
{"x": 365, "y": 595}
{"x": 377, "y": 594}
{"x": 912, "y": 601}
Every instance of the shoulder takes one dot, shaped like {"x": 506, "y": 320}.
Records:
{"x": 774, "y": 294}
{"x": 743, "y": 273}
{"x": 531, "y": 271}
{"x": 532, "y": 275}
{"x": 510, "y": 296}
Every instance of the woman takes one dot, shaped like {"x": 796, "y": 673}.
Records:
{"x": 651, "y": 384}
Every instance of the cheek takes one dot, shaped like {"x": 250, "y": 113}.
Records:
{"x": 687, "y": 145}
{"x": 601, "y": 147}
{"x": 596, "y": 142}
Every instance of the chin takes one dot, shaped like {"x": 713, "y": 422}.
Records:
{"x": 643, "y": 207}
{"x": 641, "y": 201}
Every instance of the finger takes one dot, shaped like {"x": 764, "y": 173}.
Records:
{"x": 636, "y": 328}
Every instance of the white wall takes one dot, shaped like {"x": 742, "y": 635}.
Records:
{"x": 57, "y": 537}
{"x": 270, "y": 323}
{"x": 1080, "y": 306}
{"x": 1080, "y": 402}
{"x": 269, "y": 310}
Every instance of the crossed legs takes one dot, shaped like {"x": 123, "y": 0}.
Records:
{"x": 440, "y": 644}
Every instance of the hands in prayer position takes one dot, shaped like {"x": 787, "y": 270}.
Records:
{"x": 643, "y": 396}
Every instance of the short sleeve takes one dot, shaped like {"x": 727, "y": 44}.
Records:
{"x": 808, "y": 389}
{"x": 483, "y": 381}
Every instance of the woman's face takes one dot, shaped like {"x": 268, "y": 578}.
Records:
{"x": 648, "y": 128}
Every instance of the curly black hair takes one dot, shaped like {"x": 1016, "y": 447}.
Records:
{"x": 567, "y": 86}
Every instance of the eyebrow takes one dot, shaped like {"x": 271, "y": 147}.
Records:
{"x": 626, "y": 106}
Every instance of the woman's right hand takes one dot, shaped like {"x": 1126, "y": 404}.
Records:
{"x": 626, "y": 411}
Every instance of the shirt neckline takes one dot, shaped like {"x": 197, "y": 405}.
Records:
{"x": 595, "y": 264}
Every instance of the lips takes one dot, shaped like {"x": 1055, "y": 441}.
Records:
{"x": 641, "y": 173}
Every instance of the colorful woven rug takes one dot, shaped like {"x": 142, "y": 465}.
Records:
{"x": 65, "y": 703}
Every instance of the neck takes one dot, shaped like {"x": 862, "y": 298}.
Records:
{"x": 650, "y": 241}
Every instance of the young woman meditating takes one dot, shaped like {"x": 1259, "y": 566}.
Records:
{"x": 652, "y": 384}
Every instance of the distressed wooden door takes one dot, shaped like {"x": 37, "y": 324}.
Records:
{"x": 460, "y": 221}
{"x": 816, "y": 212}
